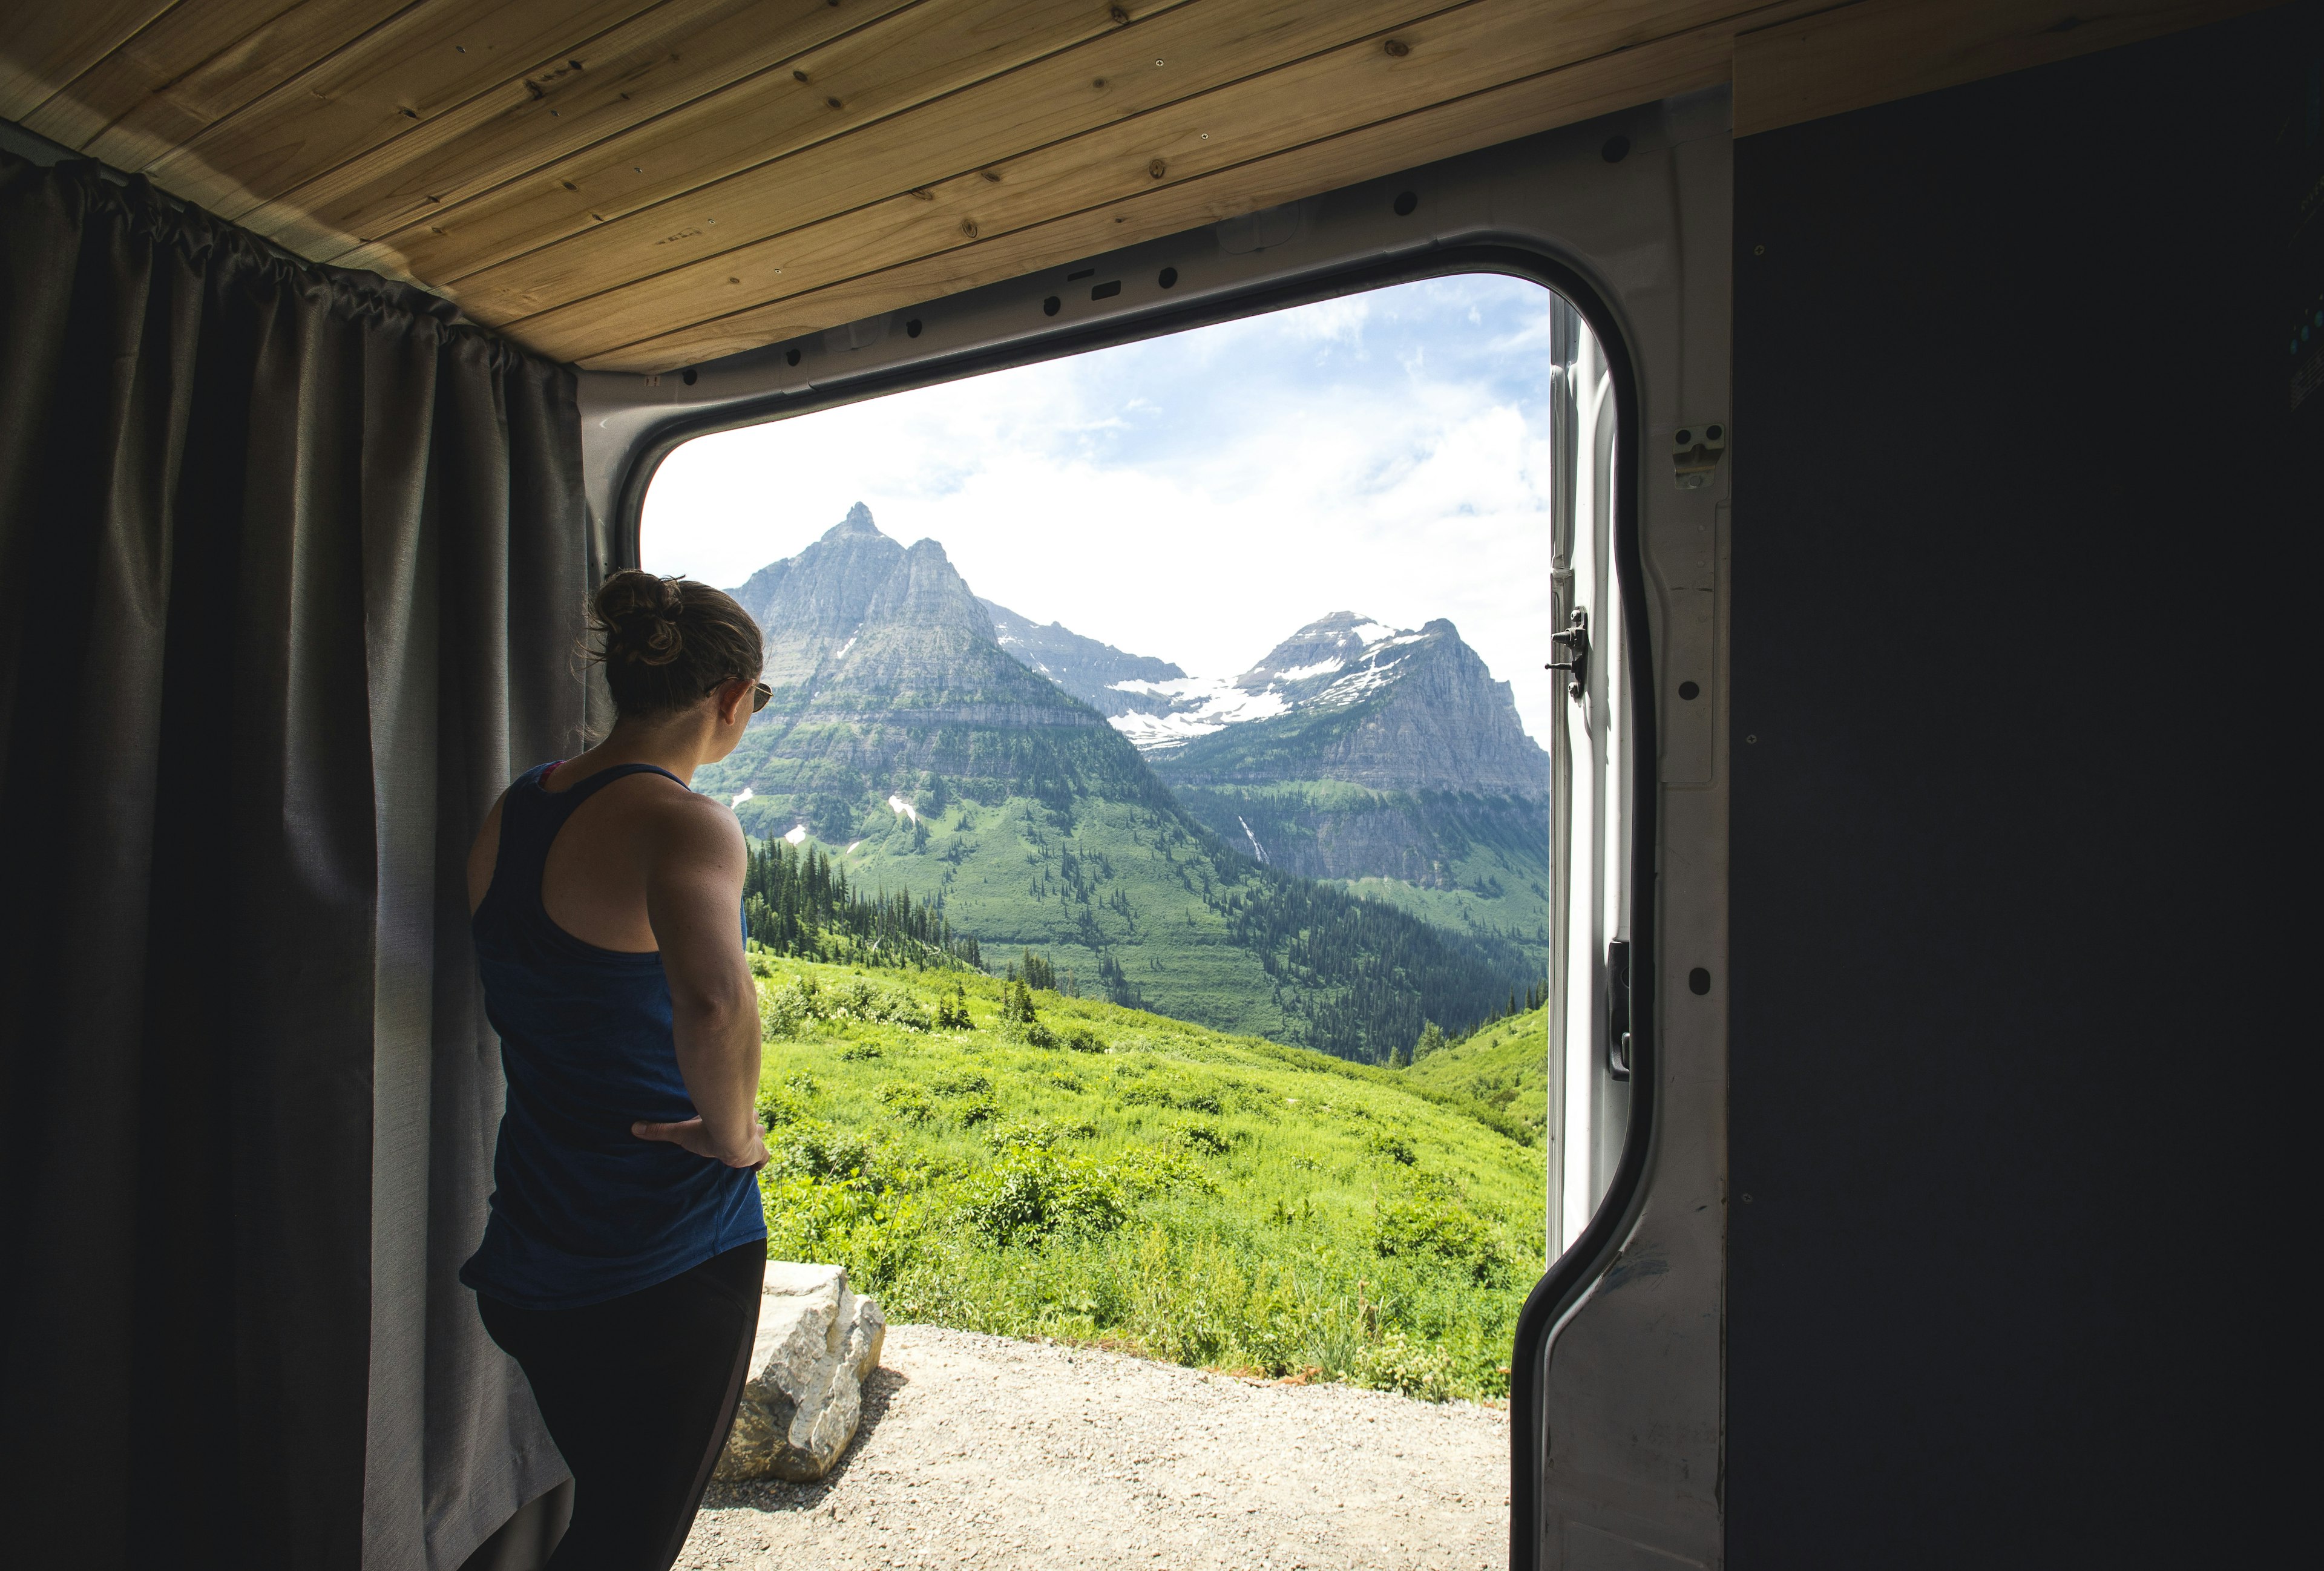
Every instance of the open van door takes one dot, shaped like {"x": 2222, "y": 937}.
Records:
{"x": 1616, "y": 1396}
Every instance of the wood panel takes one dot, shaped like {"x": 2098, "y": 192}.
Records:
{"x": 1877, "y": 51}
{"x": 419, "y": 63}
{"x": 660, "y": 60}
{"x": 647, "y": 183}
{"x": 879, "y": 72}
{"x": 45, "y": 46}
{"x": 1542, "y": 103}
{"x": 191, "y": 68}
{"x": 1434, "y": 60}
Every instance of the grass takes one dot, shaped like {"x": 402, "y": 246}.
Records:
{"x": 1107, "y": 1176}
{"x": 1505, "y": 1066}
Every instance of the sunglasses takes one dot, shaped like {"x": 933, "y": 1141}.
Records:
{"x": 760, "y": 694}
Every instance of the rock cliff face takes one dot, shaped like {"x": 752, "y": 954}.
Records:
{"x": 1388, "y": 761}
{"x": 1345, "y": 698}
{"x": 1083, "y": 667}
{"x": 904, "y": 738}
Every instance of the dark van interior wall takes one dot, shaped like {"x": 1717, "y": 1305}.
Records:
{"x": 2020, "y": 526}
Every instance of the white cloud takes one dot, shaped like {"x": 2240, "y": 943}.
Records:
{"x": 1197, "y": 497}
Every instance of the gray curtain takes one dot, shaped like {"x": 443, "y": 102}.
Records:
{"x": 291, "y": 572}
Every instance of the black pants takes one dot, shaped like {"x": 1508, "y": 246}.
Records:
{"x": 639, "y": 1392}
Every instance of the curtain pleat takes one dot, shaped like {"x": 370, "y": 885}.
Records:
{"x": 290, "y": 567}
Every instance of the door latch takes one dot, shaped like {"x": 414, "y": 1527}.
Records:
{"x": 1695, "y": 452}
{"x": 1617, "y": 1009}
{"x": 1575, "y": 643}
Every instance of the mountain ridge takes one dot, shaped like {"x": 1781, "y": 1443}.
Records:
{"x": 905, "y": 738}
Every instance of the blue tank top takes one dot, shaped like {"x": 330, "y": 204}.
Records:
{"x": 582, "y": 1210}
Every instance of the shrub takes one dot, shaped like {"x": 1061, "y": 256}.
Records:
{"x": 1082, "y": 1040}
{"x": 1202, "y": 1138}
{"x": 905, "y": 1101}
{"x": 1394, "y": 1147}
{"x": 1397, "y": 1363}
{"x": 1153, "y": 1172}
{"x": 982, "y": 1110}
{"x": 962, "y": 1085}
{"x": 1027, "y": 1196}
{"x": 1040, "y": 1133}
{"x": 787, "y": 1009}
{"x": 859, "y": 999}
{"x": 1184, "y": 1096}
{"x": 1428, "y": 1227}
{"x": 814, "y": 1150}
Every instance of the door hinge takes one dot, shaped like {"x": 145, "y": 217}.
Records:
{"x": 1575, "y": 641}
{"x": 1695, "y": 452}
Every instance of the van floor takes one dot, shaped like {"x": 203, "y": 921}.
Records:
{"x": 986, "y": 1451}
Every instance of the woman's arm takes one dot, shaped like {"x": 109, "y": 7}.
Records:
{"x": 694, "y": 899}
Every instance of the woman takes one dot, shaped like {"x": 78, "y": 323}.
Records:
{"x": 622, "y": 1262}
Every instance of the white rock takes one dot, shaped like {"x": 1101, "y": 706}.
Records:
{"x": 805, "y": 1396}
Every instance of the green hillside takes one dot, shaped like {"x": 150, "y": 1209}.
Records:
{"x": 1505, "y": 1066}
{"x": 1109, "y": 1176}
{"x": 1477, "y": 865}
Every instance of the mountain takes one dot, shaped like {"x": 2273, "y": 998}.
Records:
{"x": 1391, "y": 761}
{"x": 908, "y": 744}
{"x": 1088, "y": 669}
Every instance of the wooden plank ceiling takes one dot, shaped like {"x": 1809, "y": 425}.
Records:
{"x": 638, "y": 186}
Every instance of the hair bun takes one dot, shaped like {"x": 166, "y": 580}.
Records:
{"x": 639, "y": 613}
{"x": 667, "y": 643}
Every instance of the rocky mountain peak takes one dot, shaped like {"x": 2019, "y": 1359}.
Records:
{"x": 1087, "y": 668}
{"x": 1325, "y": 644}
{"x": 925, "y": 590}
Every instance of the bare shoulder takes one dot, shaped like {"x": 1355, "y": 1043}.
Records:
{"x": 688, "y": 825}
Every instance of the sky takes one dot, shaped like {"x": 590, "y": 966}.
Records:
{"x": 1197, "y": 497}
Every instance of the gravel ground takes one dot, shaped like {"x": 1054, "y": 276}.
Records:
{"x": 982, "y": 1451}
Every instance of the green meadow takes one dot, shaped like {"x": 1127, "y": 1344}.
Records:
{"x": 1505, "y": 1066}
{"x": 985, "y": 1157}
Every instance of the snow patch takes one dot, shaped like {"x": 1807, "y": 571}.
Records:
{"x": 798, "y": 836}
{"x": 1357, "y": 684}
{"x": 1371, "y": 632}
{"x": 852, "y": 845}
{"x": 747, "y": 794}
{"x": 844, "y": 648}
{"x": 1322, "y": 668}
{"x": 897, "y": 804}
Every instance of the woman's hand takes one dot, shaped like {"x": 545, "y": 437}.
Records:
{"x": 692, "y": 1134}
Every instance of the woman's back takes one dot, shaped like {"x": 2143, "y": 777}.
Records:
{"x": 582, "y": 1209}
